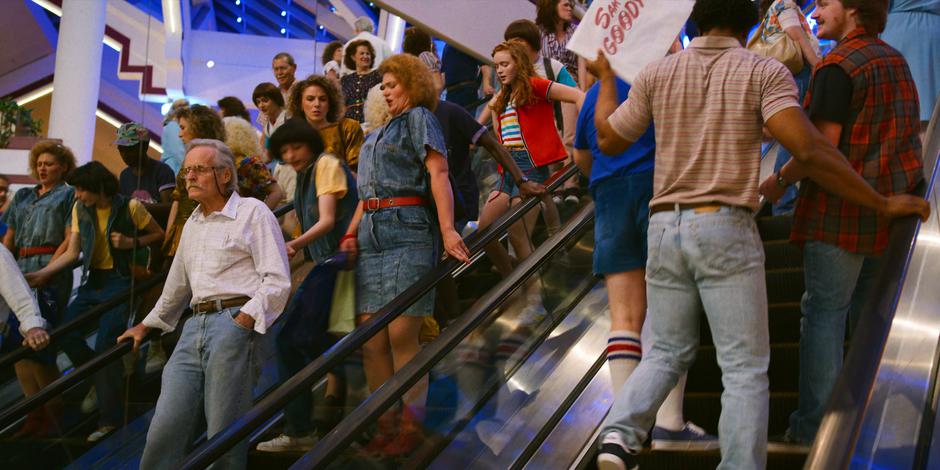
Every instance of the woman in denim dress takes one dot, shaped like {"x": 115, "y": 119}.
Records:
{"x": 38, "y": 220}
{"x": 393, "y": 233}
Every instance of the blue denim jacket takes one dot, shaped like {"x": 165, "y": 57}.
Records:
{"x": 308, "y": 211}
{"x": 119, "y": 221}
{"x": 39, "y": 221}
{"x": 391, "y": 161}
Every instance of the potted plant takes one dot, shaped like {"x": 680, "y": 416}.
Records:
{"x": 16, "y": 121}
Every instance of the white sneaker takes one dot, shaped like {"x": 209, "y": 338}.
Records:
{"x": 285, "y": 443}
{"x": 614, "y": 455}
{"x": 90, "y": 402}
{"x": 100, "y": 433}
{"x": 156, "y": 359}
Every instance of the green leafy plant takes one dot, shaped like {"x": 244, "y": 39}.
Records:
{"x": 16, "y": 120}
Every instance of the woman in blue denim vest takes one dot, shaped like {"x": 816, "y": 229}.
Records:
{"x": 38, "y": 221}
{"x": 393, "y": 234}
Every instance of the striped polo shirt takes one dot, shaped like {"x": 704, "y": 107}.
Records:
{"x": 509, "y": 128}
{"x": 709, "y": 103}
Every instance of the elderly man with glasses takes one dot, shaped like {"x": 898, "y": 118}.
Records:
{"x": 231, "y": 269}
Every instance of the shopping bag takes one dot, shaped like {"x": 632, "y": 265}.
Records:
{"x": 308, "y": 313}
{"x": 343, "y": 306}
{"x": 632, "y": 33}
{"x": 784, "y": 49}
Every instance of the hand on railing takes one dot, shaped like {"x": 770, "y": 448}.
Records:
{"x": 531, "y": 189}
{"x": 137, "y": 334}
{"x": 906, "y": 204}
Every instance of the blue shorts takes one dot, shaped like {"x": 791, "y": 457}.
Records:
{"x": 621, "y": 216}
{"x": 539, "y": 174}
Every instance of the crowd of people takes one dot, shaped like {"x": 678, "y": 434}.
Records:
{"x": 378, "y": 166}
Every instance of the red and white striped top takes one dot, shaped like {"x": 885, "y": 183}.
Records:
{"x": 709, "y": 103}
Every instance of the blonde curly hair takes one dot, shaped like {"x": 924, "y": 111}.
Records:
{"x": 376, "y": 109}
{"x": 240, "y": 136}
{"x": 414, "y": 76}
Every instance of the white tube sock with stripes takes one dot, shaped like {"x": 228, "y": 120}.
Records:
{"x": 623, "y": 355}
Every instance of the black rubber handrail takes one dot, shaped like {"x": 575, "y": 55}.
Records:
{"x": 96, "y": 311}
{"x": 220, "y": 443}
{"x": 83, "y": 319}
{"x": 393, "y": 388}
{"x": 63, "y": 383}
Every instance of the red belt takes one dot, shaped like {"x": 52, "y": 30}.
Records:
{"x": 37, "y": 250}
{"x": 375, "y": 204}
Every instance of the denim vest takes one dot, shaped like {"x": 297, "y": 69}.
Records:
{"x": 119, "y": 220}
{"x": 308, "y": 211}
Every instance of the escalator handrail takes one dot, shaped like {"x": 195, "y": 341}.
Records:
{"x": 402, "y": 381}
{"x": 220, "y": 443}
{"x": 81, "y": 320}
{"x": 840, "y": 427}
{"x": 98, "y": 310}
{"x": 63, "y": 383}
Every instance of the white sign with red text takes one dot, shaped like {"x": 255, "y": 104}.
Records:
{"x": 632, "y": 33}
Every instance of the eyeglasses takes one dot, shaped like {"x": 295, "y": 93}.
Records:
{"x": 198, "y": 169}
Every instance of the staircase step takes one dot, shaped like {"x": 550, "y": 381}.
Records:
{"x": 705, "y": 375}
{"x": 704, "y": 410}
{"x": 784, "y": 285}
{"x": 781, "y": 254}
{"x": 774, "y": 228}
{"x": 655, "y": 460}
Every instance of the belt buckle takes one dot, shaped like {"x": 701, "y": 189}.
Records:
{"x": 707, "y": 209}
{"x": 369, "y": 206}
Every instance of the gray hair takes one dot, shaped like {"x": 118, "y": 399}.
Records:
{"x": 364, "y": 23}
{"x": 224, "y": 159}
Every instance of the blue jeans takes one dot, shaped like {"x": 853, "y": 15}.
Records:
{"x": 716, "y": 261}
{"x": 837, "y": 285}
{"x": 212, "y": 371}
{"x": 101, "y": 286}
{"x": 787, "y": 203}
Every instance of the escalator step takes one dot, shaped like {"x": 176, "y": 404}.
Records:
{"x": 774, "y": 228}
{"x": 784, "y": 285}
{"x": 705, "y": 375}
{"x": 704, "y": 410}
{"x": 709, "y": 460}
{"x": 781, "y": 254}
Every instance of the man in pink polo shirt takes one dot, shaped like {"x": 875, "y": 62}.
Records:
{"x": 710, "y": 103}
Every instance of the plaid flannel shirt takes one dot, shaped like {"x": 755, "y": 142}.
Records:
{"x": 879, "y": 139}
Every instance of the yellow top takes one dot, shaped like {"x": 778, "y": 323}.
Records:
{"x": 330, "y": 177}
{"x": 100, "y": 254}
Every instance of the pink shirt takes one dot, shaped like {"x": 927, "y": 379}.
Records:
{"x": 709, "y": 103}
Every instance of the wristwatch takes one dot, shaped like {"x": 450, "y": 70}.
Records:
{"x": 522, "y": 181}
{"x": 781, "y": 183}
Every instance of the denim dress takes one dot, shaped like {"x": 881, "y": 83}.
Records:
{"x": 41, "y": 221}
{"x": 397, "y": 244}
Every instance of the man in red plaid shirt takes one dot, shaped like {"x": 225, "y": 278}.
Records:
{"x": 863, "y": 99}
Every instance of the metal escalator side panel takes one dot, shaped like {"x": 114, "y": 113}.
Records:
{"x": 572, "y": 440}
{"x": 529, "y": 403}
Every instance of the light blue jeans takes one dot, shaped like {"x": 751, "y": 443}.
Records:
{"x": 212, "y": 372}
{"x": 837, "y": 285}
{"x": 716, "y": 261}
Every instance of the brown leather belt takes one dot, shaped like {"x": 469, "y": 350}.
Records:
{"x": 699, "y": 207}
{"x": 375, "y": 204}
{"x": 37, "y": 250}
{"x": 217, "y": 305}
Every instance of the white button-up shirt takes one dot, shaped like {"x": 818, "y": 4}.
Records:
{"x": 238, "y": 251}
{"x": 16, "y": 295}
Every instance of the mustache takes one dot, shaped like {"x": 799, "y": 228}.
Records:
{"x": 191, "y": 186}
